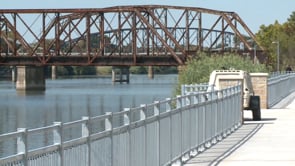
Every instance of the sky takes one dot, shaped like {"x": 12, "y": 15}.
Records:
{"x": 254, "y": 12}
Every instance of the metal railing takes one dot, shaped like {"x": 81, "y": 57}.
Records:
{"x": 194, "y": 88}
{"x": 162, "y": 133}
{"x": 280, "y": 85}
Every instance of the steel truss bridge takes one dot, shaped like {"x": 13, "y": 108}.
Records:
{"x": 119, "y": 36}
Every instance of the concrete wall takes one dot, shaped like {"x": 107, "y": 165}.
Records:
{"x": 259, "y": 82}
{"x": 30, "y": 78}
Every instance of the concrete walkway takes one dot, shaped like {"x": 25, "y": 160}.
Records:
{"x": 270, "y": 141}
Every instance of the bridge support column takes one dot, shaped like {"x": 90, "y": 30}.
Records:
{"x": 151, "y": 72}
{"x": 120, "y": 74}
{"x": 53, "y": 72}
{"x": 30, "y": 78}
{"x": 13, "y": 73}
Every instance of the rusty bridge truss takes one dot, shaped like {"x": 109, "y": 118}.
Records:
{"x": 118, "y": 36}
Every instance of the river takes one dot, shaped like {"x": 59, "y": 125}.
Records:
{"x": 69, "y": 99}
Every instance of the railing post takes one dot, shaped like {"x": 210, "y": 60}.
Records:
{"x": 86, "y": 133}
{"x": 157, "y": 113}
{"x": 156, "y": 108}
{"x": 58, "y": 140}
{"x": 187, "y": 100}
{"x": 143, "y": 111}
{"x": 22, "y": 145}
{"x": 168, "y": 109}
{"x": 142, "y": 118}
{"x": 195, "y": 98}
{"x": 85, "y": 127}
{"x": 109, "y": 127}
{"x": 127, "y": 121}
{"x": 183, "y": 88}
{"x": 168, "y": 104}
{"x": 178, "y": 101}
{"x": 179, "y": 104}
{"x": 126, "y": 116}
{"x": 108, "y": 121}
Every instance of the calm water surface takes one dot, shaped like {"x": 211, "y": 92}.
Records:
{"x": 69, "y": 99}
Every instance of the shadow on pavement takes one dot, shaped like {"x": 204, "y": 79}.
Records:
{"x": 218, "y": 152}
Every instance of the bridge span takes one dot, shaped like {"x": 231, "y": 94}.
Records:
{"x": 121, "y": 35}
{"x": 151, "y": 35}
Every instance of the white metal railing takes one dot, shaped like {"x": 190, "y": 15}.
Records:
{"x": 157, "y": 134}
{"x": 279, "y": 86}
{"x": 194, "y": 88}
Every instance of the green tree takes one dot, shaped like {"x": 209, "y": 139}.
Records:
{"x": 285, "y": 35}
{"x": 266, "y": 36}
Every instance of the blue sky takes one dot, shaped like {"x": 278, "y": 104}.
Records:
{"x": 253, "y": 12}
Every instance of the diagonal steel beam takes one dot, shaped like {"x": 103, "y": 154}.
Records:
{"x": 178, "y": 59}
{"x": 210, "y": 30}
{"x": 237, "y": 17}
{"x": 225, "y": 17}
{"x": 17, "y": 35}
{"x": 171, "y": 37}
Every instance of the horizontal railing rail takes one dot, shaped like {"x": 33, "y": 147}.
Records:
{"x": 157, "y": 134}
{"x": 280, "y": 85}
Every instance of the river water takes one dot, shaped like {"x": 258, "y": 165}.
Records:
{"x": 69, "y": 99}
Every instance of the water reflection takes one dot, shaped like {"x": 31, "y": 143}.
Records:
{"x": 30, "y": 93}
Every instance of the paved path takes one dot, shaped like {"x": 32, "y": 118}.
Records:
{"x": 267, "y": 142}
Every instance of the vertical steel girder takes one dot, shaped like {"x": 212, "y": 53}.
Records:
{"x": 126, "y": 32}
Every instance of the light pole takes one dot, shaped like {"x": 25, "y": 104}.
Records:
{"x": 278, "y": 54}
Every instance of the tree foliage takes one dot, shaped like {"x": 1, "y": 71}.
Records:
{"x": 285, "y": 35}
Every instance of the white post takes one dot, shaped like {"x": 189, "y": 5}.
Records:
{"x": 109, "y": 127}
{"x": 187, "y": 100}
{"x": 58, "y": 140}
{"x": 182, "y": 90}
{"x": 168, "y": 104}
{"x": 143, "y": 112}
{"x": 85, "y": 127}
{"x": 126, "y": 116}
{"x": 108, "y": 121}
{"x": 22, "y": 144}
{"x": 178, "y": 101}
{"x": 86, "y": 133}
{"x": 156, "y": 108}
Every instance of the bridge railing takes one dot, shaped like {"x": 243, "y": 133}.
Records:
{"x": 280, "y": 85}
{"x": 157, "y": 134}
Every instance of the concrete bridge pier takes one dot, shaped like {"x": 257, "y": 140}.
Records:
{"x": 120, "y": 74}
{"x": 13, "y": 73}
{"x": 53, "y": 72}
{"x": 30, "y": 78}
{"x": 151, "y": 72}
